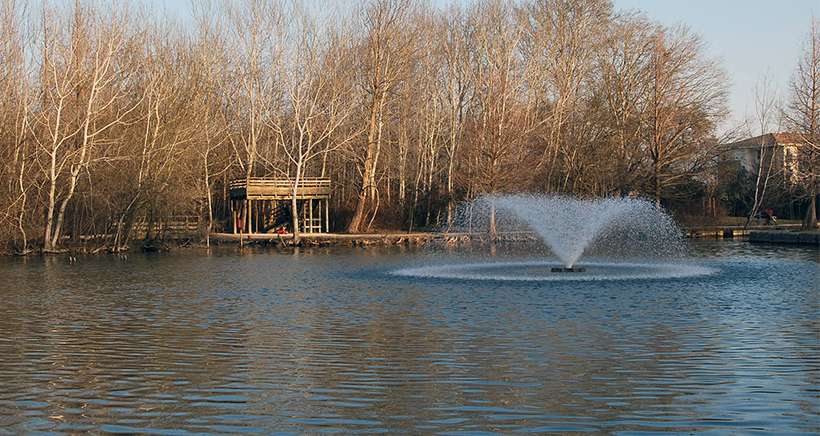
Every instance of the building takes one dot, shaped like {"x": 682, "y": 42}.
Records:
{"x": 262, "y": 205}
{"x": 782, "y": 147}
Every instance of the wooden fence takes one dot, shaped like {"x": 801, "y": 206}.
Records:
{"x": 173, "y": 225}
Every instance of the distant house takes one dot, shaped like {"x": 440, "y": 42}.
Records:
{"x": 782, "y": 147}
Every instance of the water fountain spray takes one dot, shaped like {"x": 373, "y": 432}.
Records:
{"x": 571, "y": 227}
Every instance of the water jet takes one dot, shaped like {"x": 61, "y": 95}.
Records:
{"x": 626, "y": 229}
{"x": 572, "y": 227}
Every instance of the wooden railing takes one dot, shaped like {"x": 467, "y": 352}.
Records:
{"x": 278, "y": 183}
{"x": 173, "y": 224}
{"x": 270, "y": 188}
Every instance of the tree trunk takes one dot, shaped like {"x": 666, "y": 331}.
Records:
{"x": 450, "y": 199}
{"x": 369, "y": 170}
{"x": 22, "y": 210}
{"x": 209, "y": 197}
{"x": 402, "y": 169}
{"x": 294, "y": 214}
{"x": 657, "y": 180}
{"x": 493, "y": 227}
{"x": 810, "y": 219}
{"x": 52, "y": 200}
{"x": 55, "y": 237}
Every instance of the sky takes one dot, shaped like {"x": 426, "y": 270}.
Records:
{"x": 750, "y": 38}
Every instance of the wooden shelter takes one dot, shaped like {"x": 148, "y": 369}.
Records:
{"x": 262, "y": 204}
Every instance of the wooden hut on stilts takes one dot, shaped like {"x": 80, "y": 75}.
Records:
{"x": 262, "y": 205}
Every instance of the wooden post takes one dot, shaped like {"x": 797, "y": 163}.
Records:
{"x": 248, "y": 205}
{"x": 319, "y": 205}
{"x": 265, "y": 213}
{"x": 327, "y": 215}
{"x": 243, "y": 215}
{"x": 233, "y": 215}
{"x": 310, "y": 212}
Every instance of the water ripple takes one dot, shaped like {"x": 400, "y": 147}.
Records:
{"x": 325, "y": 341}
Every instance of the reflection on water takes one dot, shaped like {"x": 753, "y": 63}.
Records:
{"x": 328, "y": 340}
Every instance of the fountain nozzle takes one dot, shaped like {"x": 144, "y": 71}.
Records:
{"x": 567, "y": 269}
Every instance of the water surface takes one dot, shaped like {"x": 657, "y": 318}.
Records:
{"x": 331, "y": 340}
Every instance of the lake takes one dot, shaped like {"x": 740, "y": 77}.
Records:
{"x": 330, "y": 339}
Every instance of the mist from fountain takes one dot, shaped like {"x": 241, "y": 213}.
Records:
{"x": 571, "y": 227}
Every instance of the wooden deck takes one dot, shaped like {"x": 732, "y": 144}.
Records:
{"x": 258, "y": 204}
{"x": 263, "y": 188}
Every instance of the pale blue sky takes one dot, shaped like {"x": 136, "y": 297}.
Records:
{"x": 750, "y": 37}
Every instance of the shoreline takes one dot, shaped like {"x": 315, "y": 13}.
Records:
{"x": 785, "y": 237}
{"x": 421, "y": 237}
{"x": 778, "y": 234}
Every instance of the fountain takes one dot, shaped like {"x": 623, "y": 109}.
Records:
{"x": 571, "y": 226}
{"x": 635, "y": 232}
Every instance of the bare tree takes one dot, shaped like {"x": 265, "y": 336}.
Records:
{"x": 317, "y": 104}
{"x": 622, "y": 65}
{"x": 499, "y": 124}
{"x": 803, "y": 115}
{"x": 560, "y": 42}
{"x": 766, "y": 107}
{"x": 257, "y": 30}
{"x": 15, "y": 101}
{"x": 686, "y": 100}
{"x": 111, "y": 123}
{"x": 388, "y": 49}
{"x": 83, "y": 81}
{"x": 210, "y": 58}
{"x": 457, "y": 90}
